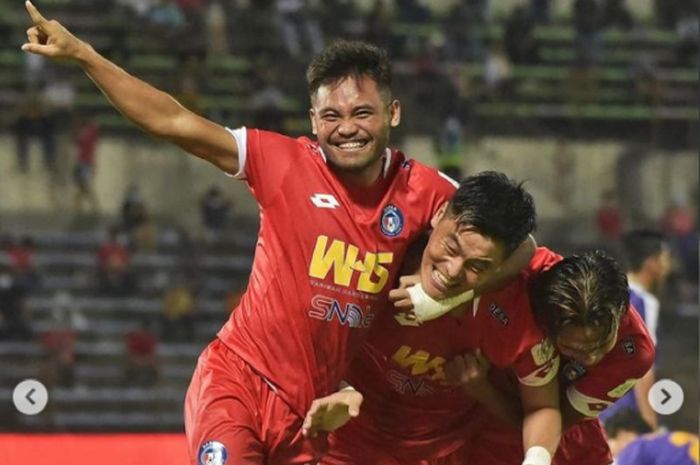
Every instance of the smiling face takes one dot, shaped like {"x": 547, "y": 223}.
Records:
{"x": 351, "y": 118}
{"x": 457, "y": 257}
{"x": 585, "y": 344}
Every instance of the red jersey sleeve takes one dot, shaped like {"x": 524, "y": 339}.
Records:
{"x": 630, "y": 359}
{"x": 511, "y": 339}
{"x": 543, "y": 260}
{"x": 266, "y": 158}
{"x": 538, "y": 365}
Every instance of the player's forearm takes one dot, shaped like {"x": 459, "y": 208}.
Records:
{"x": 152, "y": 110}
{"x": 516, "y": 262}
{"x": 641, "y": 393}
{"x": 506, "y": 408}
{"x": 542, "y": 427}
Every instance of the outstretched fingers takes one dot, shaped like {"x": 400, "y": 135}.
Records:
{"x": 37, "y": 18}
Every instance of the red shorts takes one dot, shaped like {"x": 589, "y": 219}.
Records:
{"x": 501, "y": 444}
{"x": 360, "y": 443}
{"x": 584, "y": 444}
{"x": 234, "y": 414}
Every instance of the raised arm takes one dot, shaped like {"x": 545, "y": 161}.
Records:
{"x": 152, "y": 110}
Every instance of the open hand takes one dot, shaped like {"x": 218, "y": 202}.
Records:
{"x": 331, "y": 412}
{"x": 49, "y": 38}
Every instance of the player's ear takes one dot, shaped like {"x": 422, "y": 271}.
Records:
{"x": 312, "y": 117}
{"x": 394, "y": 113}
{"x": 438, "y": 215}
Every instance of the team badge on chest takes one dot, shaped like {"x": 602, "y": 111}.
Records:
{"x": 391, "y": 221}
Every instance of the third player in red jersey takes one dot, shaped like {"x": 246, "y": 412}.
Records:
{"x": 582, "y": 304}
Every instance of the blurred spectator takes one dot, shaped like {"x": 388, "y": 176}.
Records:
{"x": 633, "y": 443}
{"x": 298, "y": 28}
{"x": 217, "y": 38}
{"x": 413, "y": 12}
{"x": 679, "y": 222}
{"x": 648, "y": 261}
{"x": 86, "y": 138}
{"x": 113, "y": 266}
{"x": 268, "y": 101}
{"x": 519, "y": 39}
{"x": 21, "y": 260}
{"x": 136, "y": 221}
{"x": 648, "y": 85}
{"x": 34, "y": 121}
{"x": 688, "y": 31}
{"x": 59, "y": 101}
{"x": 616, "y": 15}
{"x": 178, "y": 312}
{"x": 139, "y": 7}
{"x": 609, "y": 217}
{"x": 449, "y": 147}
{"x": 166, "y": 15}
{"x": 540, "y": 11}
{"x": 215, "y": 210}
{"x": 376, "y": 20}
{"x": 189, "y": 94}
{"x": 588, "y": 43}
{"x": 564, "y": 179}
{"x": 59, "y": 340}
{"x": 14, "y": 324}
{"x": 497, "y": 72}
{"x": 141, "y": 350}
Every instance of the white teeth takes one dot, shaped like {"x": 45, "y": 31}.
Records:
{"x": 351, "y": 145}
{"x": 442, "y": 278}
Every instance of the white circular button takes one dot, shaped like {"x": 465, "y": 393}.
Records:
{"x": 666, "y": 397}
{"x": 30, "y": 397}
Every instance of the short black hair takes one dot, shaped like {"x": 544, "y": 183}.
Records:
{"x": 641, "y": 244}
{"x": 343, "y": 58}
{"x": 496, "y": 207}
{"x": 626, "y": 420}
{"x": 582, "y": 290}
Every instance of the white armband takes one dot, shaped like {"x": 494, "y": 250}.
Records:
{"x": 425, "y": 308}
{"x": 537, "y": 455}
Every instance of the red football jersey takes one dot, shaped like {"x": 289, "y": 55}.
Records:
{"x": 591, "y": 389}
{"x": 400, "y": 371}
{"x": 326, "y": 256}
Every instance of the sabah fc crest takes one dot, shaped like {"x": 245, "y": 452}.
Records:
{"x": 391, "y": 221}
{"x": 212, "y": 453}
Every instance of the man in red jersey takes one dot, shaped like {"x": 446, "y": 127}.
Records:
{"x": 337, "y": 217}
{"x": 582, "y": 304}
{"x": 409, "y": 414}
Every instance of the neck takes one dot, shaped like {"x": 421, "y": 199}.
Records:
{"x": 642, "y": 279}
{"x": 362, "y": 178}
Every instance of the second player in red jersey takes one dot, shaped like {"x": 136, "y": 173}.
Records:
{"x": 409, "y": 413}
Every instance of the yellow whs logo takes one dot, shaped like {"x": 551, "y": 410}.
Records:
{"x": 420, "y": 362}
{"x": 343, "y": 259}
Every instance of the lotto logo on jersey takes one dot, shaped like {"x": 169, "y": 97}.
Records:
{"x": 343, "y": 261}
{"x": 420, "y": 362}
{"x": 329, "y": 309}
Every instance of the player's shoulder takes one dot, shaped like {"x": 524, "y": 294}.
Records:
{"x": 279, "y": 141}
{"x": 507, "y": 314}
{"x": 422, "y": 176}
{"x": 543, "y": 259}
